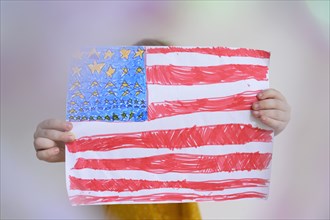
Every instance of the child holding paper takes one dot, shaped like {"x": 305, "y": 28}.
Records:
{"x": 51, "y": 135}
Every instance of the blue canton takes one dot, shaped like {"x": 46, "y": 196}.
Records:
{"x": 108, "y": 84}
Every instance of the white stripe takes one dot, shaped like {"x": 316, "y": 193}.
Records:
{"x": 89, "y": 128}
{"x": 171, "y": 190}
{"x": 203, "y": 150}
{"x": 161, "y": 93}
{"x": 205, "y": 47}
{"x": 99, "y": 201}
{"x": 198, "y": 59}
{"x": 139, "y": 174}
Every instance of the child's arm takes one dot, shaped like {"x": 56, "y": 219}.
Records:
{"x": 49, "y": 139}
{"x": 272, "y": 109}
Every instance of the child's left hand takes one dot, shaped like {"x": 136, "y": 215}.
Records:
{"x": 272, "y": 109}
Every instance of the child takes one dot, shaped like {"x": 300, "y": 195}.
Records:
{"x": 51, "y": 135}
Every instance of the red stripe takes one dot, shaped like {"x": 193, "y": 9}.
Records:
{"x": 186, "y": 75}
{"x": 241, "y": 101}
{"x": 178, "y": 197}
{"x": 219, "y": 51}
{"x": 225, "y": 134}
{"x": 182, "y": 163}
{"x": 124, "y": 185}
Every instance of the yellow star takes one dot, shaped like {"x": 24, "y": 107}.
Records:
{"x": 125, "y": 93}
{"x": 139, "y": 53}
{"x": 109, "y": 84}
{"x": 137, "y": 85}
{"x": 94, "y": 83}
{"x": 95, "y": 93}
{"x": 138, "y": 70}
{"x": 75, "y": 85}
{"x": 110, "y": 71}
{"x": 94, "y": 52}
{"x": 125, "y": 71}
{"x": 72, "y": 111}
{"x": 112, "y": 93}
{"x": 78, "y": 94}
{"x": 124, "y": 84}
{"x": 125, "y": 53}
{"x": 76, "y": 70}
{"x": 96, "y": 67}
{"x": 107, "y": 54}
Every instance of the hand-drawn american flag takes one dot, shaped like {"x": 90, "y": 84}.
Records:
{"x": 178, "y": 128}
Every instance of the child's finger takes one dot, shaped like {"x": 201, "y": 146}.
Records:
{"x": 269, "y": 104}
{"x": 41, "y": 143}
{"x": 274, "y": 114}
{"x": 56, "y": 124}
{"x": 50, "y": 155}
{"x": 270, "y": 94}
{"x": 56, "y": 135}
{"x": 273, "y": 123}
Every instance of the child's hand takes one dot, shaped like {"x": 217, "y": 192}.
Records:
{"x": 272, "y": 109}
{"x": 49, "y": 140}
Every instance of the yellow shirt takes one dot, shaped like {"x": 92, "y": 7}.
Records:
{"x": 171, "y": 211}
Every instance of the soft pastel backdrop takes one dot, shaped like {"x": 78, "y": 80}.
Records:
{"x": 37, "y": 36}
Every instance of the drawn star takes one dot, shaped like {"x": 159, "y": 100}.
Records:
{"x": 125, "y": 93}
{"x": 78, "y": 94}
{"x": 123, "y": 115}
{"x": 125, "y": 71}
{"x": 93, "y": 52}
{"x": 110, "y": 71}
{"x": 139, "y": 70}
{"x": 96, "y": 67}
{"x": 76, "y": 70}
{"x": 125, "y": 53}
{"x": 108, "y": 53}
{"x": 95, "y": 93}
{"x": 94, "y": 83}
{"x": 75, "y": 85}
{"x": 109, "y": 84}
{"x": 115, "y": 117}
{"x": 112, "y": 93}
{"x": 140, "y": 115}
{"x": 137, "y": 85}
{"x": 124, "y": 84}
{"x": 72, "y": 111}
{"x": 139, "y": 53}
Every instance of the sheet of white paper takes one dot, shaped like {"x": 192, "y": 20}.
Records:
{"x": 167, "y": 124}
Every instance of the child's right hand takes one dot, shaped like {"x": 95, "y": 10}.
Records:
{"x": 50, "y": 138}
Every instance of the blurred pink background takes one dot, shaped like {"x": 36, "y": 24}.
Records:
{"x": 36, "y": 38}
